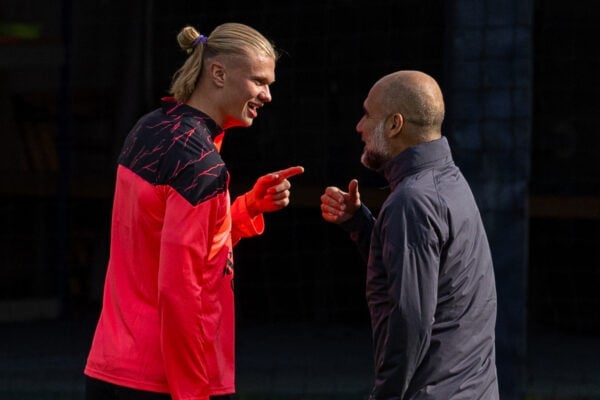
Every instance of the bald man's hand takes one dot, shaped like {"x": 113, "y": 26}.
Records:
{"x": 338, "y": 206}
{"x": 271, "y": 192}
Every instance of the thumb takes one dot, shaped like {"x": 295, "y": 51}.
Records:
{"x": 353, "y": 189}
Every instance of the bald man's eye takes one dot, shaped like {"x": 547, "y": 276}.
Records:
{"x": 260, "y": 82}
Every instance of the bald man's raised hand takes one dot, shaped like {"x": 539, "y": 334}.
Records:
{"x": 338, "y": 206}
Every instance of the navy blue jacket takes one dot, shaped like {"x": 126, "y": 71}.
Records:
{"x": 430, "y": 282}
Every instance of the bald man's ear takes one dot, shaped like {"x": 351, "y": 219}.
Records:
{"x": 396, "y": 122}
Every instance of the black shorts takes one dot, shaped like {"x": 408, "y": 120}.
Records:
{"x": 99, "y": 390}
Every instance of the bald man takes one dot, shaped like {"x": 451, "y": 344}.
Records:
{"x": 430, "y": 283}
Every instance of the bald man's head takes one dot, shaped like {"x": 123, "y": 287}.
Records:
{"x": 402, "y": 109}
{"x": 418, "y": 97}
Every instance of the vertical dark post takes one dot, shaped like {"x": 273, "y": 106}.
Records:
{"x": 489, "y": 90}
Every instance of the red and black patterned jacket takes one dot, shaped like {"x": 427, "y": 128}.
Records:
{"x": 167, "y": 320}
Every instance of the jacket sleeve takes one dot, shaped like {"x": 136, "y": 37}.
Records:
{"x": 242, "y": 224}
{"x": 182, "y": 282}
{"x": 410, "y": 258}
{"x": 360, "y": 227}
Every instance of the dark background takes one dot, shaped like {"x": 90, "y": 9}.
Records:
{"x": 74, "y": 77}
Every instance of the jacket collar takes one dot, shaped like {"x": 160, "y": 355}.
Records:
{"x": 171, "y": 107}
{"x": 416, "y": 158}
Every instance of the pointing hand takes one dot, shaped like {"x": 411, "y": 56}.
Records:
{"x": 271, "y": 192}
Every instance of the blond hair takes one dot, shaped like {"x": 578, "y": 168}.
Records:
{"x": 230, "y": 38}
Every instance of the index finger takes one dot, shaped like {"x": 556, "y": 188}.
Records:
{"x": 334, "y": 193}
{"x": 289, "y": 172}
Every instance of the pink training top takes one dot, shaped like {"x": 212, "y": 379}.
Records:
{"x": 167, "y": 320}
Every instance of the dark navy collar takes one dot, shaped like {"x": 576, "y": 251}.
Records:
{"x": 416, "y": 158}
